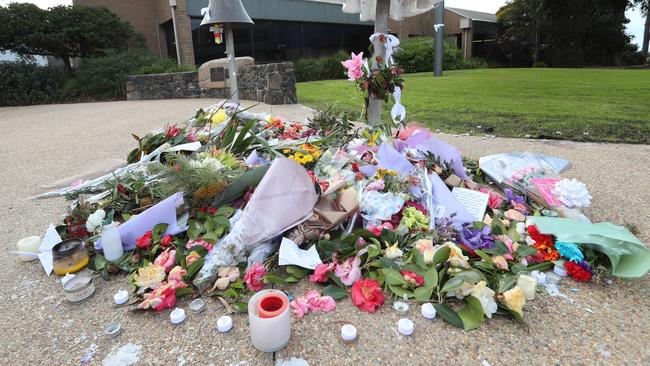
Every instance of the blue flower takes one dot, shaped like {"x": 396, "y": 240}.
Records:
{"x": 569, "y": 251}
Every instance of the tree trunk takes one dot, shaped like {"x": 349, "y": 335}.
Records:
{"x": 646, "y": 31}
{"x": 66, "y": 65}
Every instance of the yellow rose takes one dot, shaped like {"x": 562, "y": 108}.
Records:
{"x": 149, "y": 277}
{"x": 514, "y": 299}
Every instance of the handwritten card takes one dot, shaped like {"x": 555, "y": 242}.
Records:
{"x": 474, "y": 202}
{"x": 545, "y": 188}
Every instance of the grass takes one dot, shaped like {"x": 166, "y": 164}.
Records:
{"x": 609, "y": 105}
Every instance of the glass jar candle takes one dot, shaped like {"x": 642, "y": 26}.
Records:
{"x": 70, "y": 256}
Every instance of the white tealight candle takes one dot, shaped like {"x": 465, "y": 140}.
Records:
{"x": 224, "y": 324}
{"x": 348, "y": 333}
{"x": 177, "y": 316}
{"x": 528, "y": 285}
{"x": 405, "y": 326}
{"x": 428, "y": 311}
{"x": 121, "y": 297}
{"x": 29, "y": 244}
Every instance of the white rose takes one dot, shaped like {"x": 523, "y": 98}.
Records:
{"x": 485, "y": 295}
{"x": 393, "y": 252}
{"x": 95, "y": 220}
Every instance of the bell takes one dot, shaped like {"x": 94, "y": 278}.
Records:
{"x": 230, "y": 12}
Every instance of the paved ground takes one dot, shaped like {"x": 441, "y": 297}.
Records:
{"x": 605, "y": 324}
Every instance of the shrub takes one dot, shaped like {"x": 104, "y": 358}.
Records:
{"x": 321, "y": 68}
{"x": 23, "y": 83}
{"x": 105, "y": 77}
{"x": 416, "y": 55}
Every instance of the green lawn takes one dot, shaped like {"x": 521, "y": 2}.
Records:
{"x": 581, "y": 104}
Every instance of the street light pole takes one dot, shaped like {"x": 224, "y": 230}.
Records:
{"x": 440, "y": 39}
{"x": 172, "y": 4}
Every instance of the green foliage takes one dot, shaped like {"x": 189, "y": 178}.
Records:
{"x": 563, "y": 33}
{"x": 104, "y": 77}
{"x": 416, "y": 55}
{"x": 63, "y": 31}
{"x": 23, "y": 83}
{"x": 321, "y": 68}
{"x": 533, "y": 103}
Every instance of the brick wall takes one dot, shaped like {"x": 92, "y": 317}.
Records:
{"x": 146, "y": 16}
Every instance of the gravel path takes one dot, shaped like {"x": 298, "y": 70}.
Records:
{"x": 604, "y": 324}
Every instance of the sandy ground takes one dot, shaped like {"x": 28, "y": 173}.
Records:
{"x": 603, "y": 324}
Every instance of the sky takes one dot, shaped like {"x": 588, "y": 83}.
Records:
{"x": 634, "y": 28}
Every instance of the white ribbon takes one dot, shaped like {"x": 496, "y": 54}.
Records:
{"x": 398, "y": 112}
{"x": 437, "y": 27}
{"x": 390, "y": 45}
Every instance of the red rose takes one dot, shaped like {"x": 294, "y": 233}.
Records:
{"x": 212, "y": 210}
{"x": 367, "y": 295}
{"x": 412, "y": 279}
{"x": 166, "y": 241}
{"x": 355, "y": 167}
{"x": 122, "y": 189}
{"x": 144, "y": 242}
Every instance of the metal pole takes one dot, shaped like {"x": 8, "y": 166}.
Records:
{"x": 381, "y": 26}
{"x": 232, "y": 64}
{"x": 440, "y": 39}
{"x": 178, "y": 49}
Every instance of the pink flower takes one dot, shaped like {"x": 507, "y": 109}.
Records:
{"x": 191, "y": 258}
{"x": 166, "y": 259}
{"x": 378, "y": 229}
{"x": 144, "y": 242}
{"x": 163, "y": 297}
{"x": 300, "y": 306}
{"x": 348, "y": 271}
{"x": 253, "y": 277}
{"x": 191, "y": 137}
{"x": 519, "y": 206}
{"x": 166, "y": 241}
{"x": 176, "y": 275}
{"x": 354, "y": 66}
{"x": 376, "y": 185}
{"x": 172, "y": 131}
{"x": 514, "y": 215}
{"x": 495, "y": 201}
{"x": 412, "y": 279}
{"x": 367, "y": 295}
{"x": 361, "y": 242}
{"x": 320, "y": 303}
{"x": 199, "y": 242}
{"x": 321, "y": 271}
{"x": 500, "y": 262}
{"x": 312, "y": 301}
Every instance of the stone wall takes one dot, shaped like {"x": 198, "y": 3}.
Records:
{"x": 270, "y": 83}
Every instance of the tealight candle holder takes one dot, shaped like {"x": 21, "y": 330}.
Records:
{"x": 560, "y": 270}
{"x": 113, "y": 329}
{"x": 197, "y": 306}
{"x": 401, "y": 308}
{"x": 121, "y": 297}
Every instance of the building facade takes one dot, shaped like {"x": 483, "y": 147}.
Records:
{"x": 283, "y": 30}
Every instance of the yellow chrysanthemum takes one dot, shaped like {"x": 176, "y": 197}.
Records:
{"x": 313, "y": 150}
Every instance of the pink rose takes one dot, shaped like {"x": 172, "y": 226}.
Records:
{"x": 321, "y": 271}
{"x": 191, "y": 258}
{"x": 495, "y": 200}
{"x": 348, "y": 271}
{"x": 253, "y": 277}
{"x": 176, "y": 275}
{"x": 199, "y": 242}
{"x": 144, "y": 242}
{"x": 191, "y": 137}
{"x": 378, "y": 229}
{"x": 367, "y": 295}
{"x": 320, "y": 303}
{"x": 166, "y": 259}
{"x": 514, "y": 215}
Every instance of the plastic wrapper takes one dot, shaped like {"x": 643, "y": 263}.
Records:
{"x": 531, "y": 174}
{"x": 284, "y": 198}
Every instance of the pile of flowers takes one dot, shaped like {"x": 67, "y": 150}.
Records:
{"x": 397, "y": 242}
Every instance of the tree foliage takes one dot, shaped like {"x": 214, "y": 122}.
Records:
{"x": 63, "y": 31}
{"x": 564, "y": 33}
